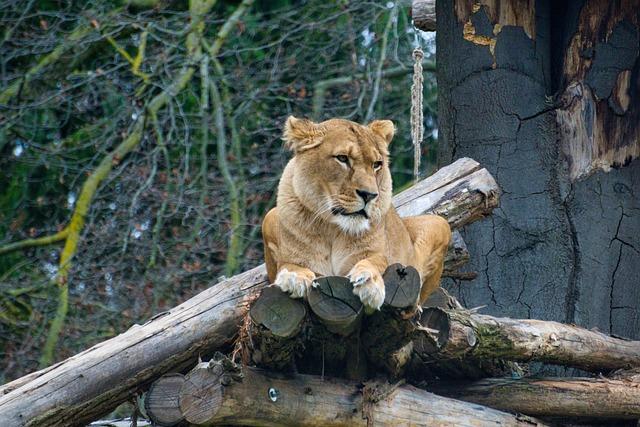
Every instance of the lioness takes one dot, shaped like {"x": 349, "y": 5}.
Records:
{"x": 334, "y": 214}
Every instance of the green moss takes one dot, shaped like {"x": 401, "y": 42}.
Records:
{"x": 492, "y": 343}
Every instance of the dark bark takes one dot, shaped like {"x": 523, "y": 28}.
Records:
{"x": 564, "y": 245}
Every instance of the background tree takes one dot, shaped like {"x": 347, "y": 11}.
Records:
{"x": 140, "y": 146}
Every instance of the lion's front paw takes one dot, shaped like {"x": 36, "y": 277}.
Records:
{"x": 295, "y": 283}
{"x": 367, "y": 285}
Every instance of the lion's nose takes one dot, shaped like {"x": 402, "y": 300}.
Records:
{"x": 366, "y": 196}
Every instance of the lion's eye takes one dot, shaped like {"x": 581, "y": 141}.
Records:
{"x": 377, "y": 165}
{"x": 342, "y": 159}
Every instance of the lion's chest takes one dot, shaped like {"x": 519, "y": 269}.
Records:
{"x": 336, "y": 259}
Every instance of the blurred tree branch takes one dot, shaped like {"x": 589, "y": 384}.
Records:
{"x": 321, "y": 87}
{"x": 40, "y": 241}
{"x": 393, "y": 14}
{"x": 198, "y": 9}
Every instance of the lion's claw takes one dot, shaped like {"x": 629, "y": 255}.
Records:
{"x": 368, "y": 286}
{"x": 293, "y": 283}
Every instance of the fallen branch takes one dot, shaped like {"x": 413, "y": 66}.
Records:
{"x": 214, "y": 395}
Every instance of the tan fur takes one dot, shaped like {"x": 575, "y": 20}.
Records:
{"x": 310, "y": 233}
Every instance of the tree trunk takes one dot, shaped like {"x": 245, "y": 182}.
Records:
{"x": 212, "y": 396}
{"x": 545, "y": 94}
{"x": 551, "y": 397}
{"x": 463, "y": 333}
{"x": 95, "y": 381}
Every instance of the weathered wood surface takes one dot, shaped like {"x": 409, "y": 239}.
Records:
{"x": 423, "y": 13}
{"x": 95, "y": 381}
{"x": 402, "y": 286}
{"x": 551, "y": 397}
{"x": 463, "y": 333}
{"x": 598, "y": 113}
{"x": 462, "y": 194}
{"x": 263, "y": 398}
{"x": 278, "y": 312}
{"x": 163, "y": 399}
{"x": 334, "y": 329}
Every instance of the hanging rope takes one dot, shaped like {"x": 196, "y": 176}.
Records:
{"x": 417, "y": 129}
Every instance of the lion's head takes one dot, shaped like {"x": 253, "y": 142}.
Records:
{"x": 342, "y": 170}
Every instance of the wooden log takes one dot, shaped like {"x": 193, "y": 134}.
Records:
{"x": 278, "y": 312}
{"x": 94, "y": 382}
{"x": 386, "y": 337}
{"x": 462, "y": 194}
{"x": 551, "y": 397}
{"x": 423, "y": 13}
{"x": 335, "y": 304}
{"x": 427, "y": 364}
{"x": 402, "y": 286}
{"x": 462, "y": 333}
{"x": 276, "y": 320}
{"x": 257, "y": 397}
{"x": 163, "y": 400}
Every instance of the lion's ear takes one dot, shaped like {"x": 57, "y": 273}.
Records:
{"x": 384, "y": 128}
{"x": 301, "y": 134}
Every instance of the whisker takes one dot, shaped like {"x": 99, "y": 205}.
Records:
{"x": 325, "y": 207}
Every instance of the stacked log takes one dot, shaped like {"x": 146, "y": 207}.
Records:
{"x": 453, "y": 334}
{"x": 605, "y": 398}
{"x": 94, "y": 382}
{"x": 210, "y": 395}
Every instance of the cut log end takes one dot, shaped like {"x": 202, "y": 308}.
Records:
{"x": 162, "y": 400}
{"x": 438, "y": 325}
{"x": 278, "y": 312}
{"x": 201, "y": 394}
{"x": 402, "y": 286}
{"x": 334, "y": 303}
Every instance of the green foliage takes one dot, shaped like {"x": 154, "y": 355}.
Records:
{"x": 168, "y": 200}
